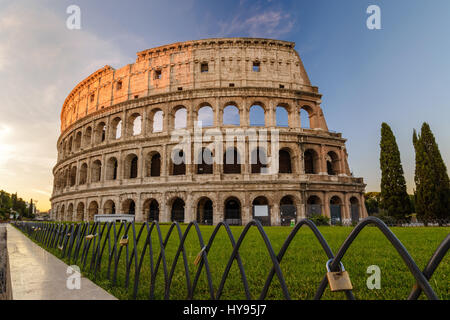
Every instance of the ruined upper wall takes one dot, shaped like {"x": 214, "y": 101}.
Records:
{"x": 230, "y": 61}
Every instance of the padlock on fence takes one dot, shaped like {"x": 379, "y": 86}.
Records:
{"x": 90, "y": 236}
{"x": 199, "y": 256}
{"x": 124, "y": 241}
{"x": 338, "y": 280}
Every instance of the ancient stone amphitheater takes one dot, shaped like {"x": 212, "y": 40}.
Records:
{"x": 139, "y": 140}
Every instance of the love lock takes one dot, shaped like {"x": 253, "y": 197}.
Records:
{"x": 124, "y": 241}
{"x": 339, "y": 280}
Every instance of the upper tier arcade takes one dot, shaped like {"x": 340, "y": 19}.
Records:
{"x": 199, "y": 64}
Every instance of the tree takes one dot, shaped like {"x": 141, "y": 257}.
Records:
{"x": 432, "y": 197}
{"x": 394, "y": 198}
{"x": 372, "y": 202}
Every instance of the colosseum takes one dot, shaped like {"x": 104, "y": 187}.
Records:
{"x": 208, "y": 130}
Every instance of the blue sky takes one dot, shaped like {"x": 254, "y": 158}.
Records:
{"x": 400, "y": 74}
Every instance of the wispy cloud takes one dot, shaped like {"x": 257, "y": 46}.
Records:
{"x": 269, "y": 23}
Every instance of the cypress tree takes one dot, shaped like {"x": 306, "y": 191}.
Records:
{"x": 394, "y": 198}
{"x": 431, "y": 178}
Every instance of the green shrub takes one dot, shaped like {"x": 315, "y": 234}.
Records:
{"x": 320, "y": 220}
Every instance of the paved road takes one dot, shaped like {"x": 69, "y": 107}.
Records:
{"x": 39, "y": 275}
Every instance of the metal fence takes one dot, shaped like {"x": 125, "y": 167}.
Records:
{"x": 75, "y": 241}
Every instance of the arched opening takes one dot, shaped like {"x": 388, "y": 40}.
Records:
{"x": 231, "y": 161}
{"x": 259, "y": 160}
{"x": 151, "y": 210}
{"x": 80, "y": 212}
{"x": 313, "y": 206}
{"x": 335, "y": 210}
{"x": 180, "y": 118}
{"x": 311, "y": 160}
{"x": 111, "y": 168}
{"x": 93, "y": 210}
{"x": 231, "y": 116}
{"x": 158, "y": 119}
{"x": 153, "y": 165}
{"x": 62, "y": 213}
{"x": 205, "y": 211}
{"x": 282, "y": 117}
{"x": 116, "y": 128}
{"x": 135, "y": 124}
{"x": 100, "y": 133}
{"x": 354, "y": 209}
{"x": 69, "y": 216}
{"x": 232, "y": 212}
{"x": 78, "y": 141}
{"x": 177, "y": 212}
{"x": 305, "y": 119}
{"x": 83, "y": 173}
{"x": 131, "y": 166}
{"x": 284, "y": 161}
{"x": 205, "y": 117}
{"x": 129, "y": 207}
{"x": 261, "y": 210}
{"x": 288, "y": 210}
{"x": 257, "y": 116}
{"x": 73, "y": 176}
{"x": 205, "y": 161}
{"x": 109, "y": 207}
{"x": 87, "y": 136}
{"x": 96, "y": 171}
{"x": 178, "y": 162}
{"x": 332, "y": 163}
{"x": 69, "y": 145}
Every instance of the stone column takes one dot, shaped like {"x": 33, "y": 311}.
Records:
{"x": 275, "y": 215}
{"x": 322, "y": 160}
{"x": 218, "y": 211}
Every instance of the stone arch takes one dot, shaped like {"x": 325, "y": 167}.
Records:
{"x": 284, "y": 161}
{"x": 231, "y": 161}
{"x": 73, "y": 175}
{"x": 116, "y": 128}
{"x": 112, "y": 168}
{"x": 156, "y": 120}
{"x": 204, "y": 161}
{"x": 355, "y": 212}
{"x": 313, "y": 206}
{"x": 179, "y": 117}
{"x": 134, "y": 125}
{"x": 261, "y": 210}
{"x": 311, "y": 161}
{"x": 153, "y": 164}
{"x": 83, "y": 173}
{"x": 307, "y": 117}
{"x": 62, "y": 213}
{"x": 205, "y": 211}
{"x": 131, "y": 166}
{"x": 233, "y": 211}
{"x": 205, "y": 114}
{"x": 80, "y": 212}
{"x": 129, "y": 206}
{"x": 231, "y": 114}
{"x": 282, "y": 116}
{"x": 288, "y": 209}
{"x": 177, "y": 210}
{"x": 69, "y": 214}
{"x": 333, "y": 163}
{"x": 259, "y": 160}
{"x": 335, "y": 210}
{"x": 109, "y": 207}
{"x": 96, "y": 171}
{"x": 78, "y": 139}
{"x": 92, "y": 210}
{"x": 87, "y": 136}
{"x": 151, "y": 210}
{"x": 178, "y": 161}
{"x": 257, "y": 115}
{"x": 100, "y": 132}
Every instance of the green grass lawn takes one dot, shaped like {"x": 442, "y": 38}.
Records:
{"x": 303, "y": 265}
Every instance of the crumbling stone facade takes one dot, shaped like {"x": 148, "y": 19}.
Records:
{"x": 115, "y": 151}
